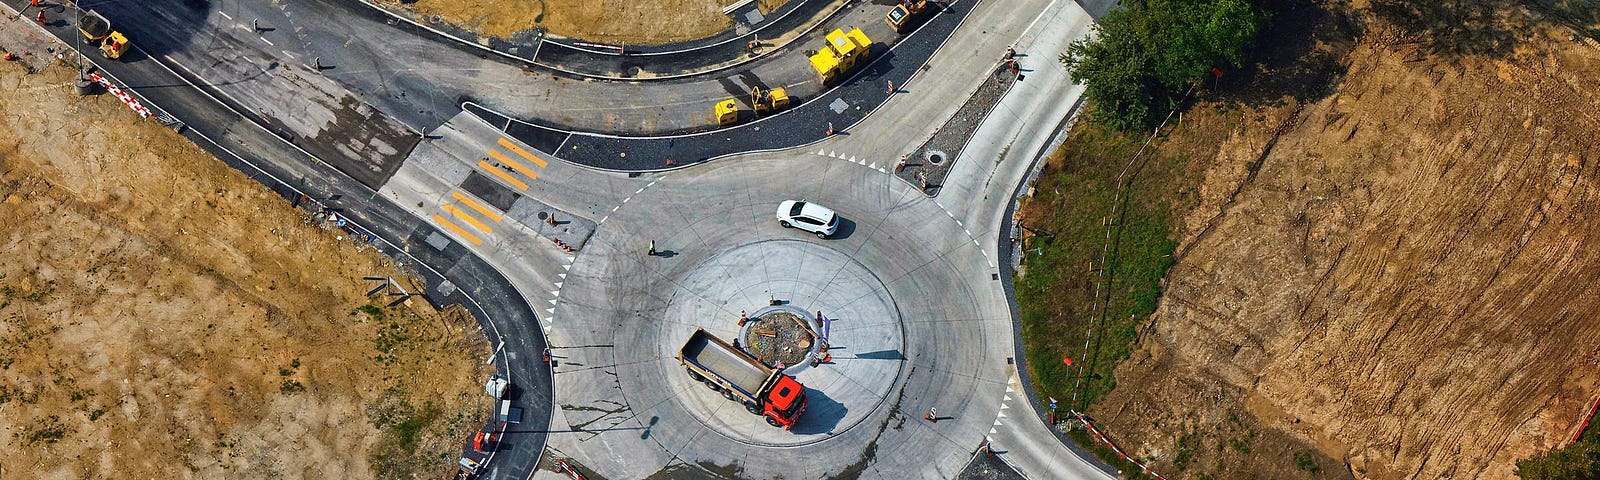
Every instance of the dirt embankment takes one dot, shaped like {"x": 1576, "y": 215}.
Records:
{"x": 1403, "y": 280}
{"x": 163, "y": 316}
{"x": 649, "y": 22}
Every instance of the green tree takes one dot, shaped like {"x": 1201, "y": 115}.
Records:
{"x": 1144, "y": 53}
{"x": 1578, "y": 461}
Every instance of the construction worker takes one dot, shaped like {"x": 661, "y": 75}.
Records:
{"x": 932, "y": 416}
{"x": 42, "y": 21}
{"x": 547, "y": 356}
{"x": 652, "y": 248}
{"x": 1010, "y": 53}
{"x": 743, "y": 318}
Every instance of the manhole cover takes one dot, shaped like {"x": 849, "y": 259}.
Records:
{"x": 935, "y": 157}
{"x": 838, "y": 105}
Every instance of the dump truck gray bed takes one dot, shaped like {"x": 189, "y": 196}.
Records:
{"x": 719, "y": 359}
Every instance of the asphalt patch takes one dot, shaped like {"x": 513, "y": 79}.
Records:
{"x": 490, "y": 191}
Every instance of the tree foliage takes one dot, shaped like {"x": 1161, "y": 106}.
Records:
{"x": 1578, "y": 461}
{"x": 1144, "y": 53}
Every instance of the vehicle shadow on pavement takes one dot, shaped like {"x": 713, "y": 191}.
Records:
{"x": 847, "y": 227}
{"x": 822, "y": 414}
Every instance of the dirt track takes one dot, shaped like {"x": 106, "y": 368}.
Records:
{"x": 163, "y": 316}
{"x": 1404, "y": 279}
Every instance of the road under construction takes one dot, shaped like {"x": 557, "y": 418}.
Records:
{"x": 606, "y": 222}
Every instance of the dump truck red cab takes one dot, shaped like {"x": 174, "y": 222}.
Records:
{"x": 786, "y": 401}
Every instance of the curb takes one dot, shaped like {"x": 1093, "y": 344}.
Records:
{"x": 527, "y": 61}
{"x": 916, "y": 73}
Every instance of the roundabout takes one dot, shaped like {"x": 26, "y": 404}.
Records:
{"x": 909, "y": 301}
{"x": 760, "y": 277}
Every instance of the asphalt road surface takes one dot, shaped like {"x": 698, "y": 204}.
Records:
{"x": 916, "y": 281}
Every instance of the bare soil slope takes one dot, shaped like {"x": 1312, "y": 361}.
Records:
{"x": 1404, "y": 278}
{"x": 163, "y": 316}
{"x": 647, "y": 22}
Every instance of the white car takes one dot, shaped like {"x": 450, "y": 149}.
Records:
{"x": 808, "y": 216}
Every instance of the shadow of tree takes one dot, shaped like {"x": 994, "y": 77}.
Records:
{"x": 1452, "y": 27}
{"x": 1581, "y": 15}
{"x": 1298, "y": 55}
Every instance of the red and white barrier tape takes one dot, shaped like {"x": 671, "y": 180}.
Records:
{"x": 1585, "y": 425}
{"x": 1114, "y": 448}
{"x": 121, "y": 95}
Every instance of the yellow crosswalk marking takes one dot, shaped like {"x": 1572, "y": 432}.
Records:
{"x": 458, "y": 230}
{"x": 503, "y": 175}
{"x": 468, "y": 218}
{"x": 470, "y": 203}
{"x": 518, "y": 166}
{"x": 513, "y": 147}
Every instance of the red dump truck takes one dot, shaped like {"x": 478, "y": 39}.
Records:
{"x": 763, "y": 390}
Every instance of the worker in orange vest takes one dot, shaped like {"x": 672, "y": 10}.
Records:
{"x": 42, "y": 21}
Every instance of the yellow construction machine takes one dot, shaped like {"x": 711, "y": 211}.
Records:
{"x": 845, "y": 51}
{"x": 726, "y": 111}
{"x": 768, "y": 101}
{"x": 97, "y": 30}
{"x": 903, "y": 14}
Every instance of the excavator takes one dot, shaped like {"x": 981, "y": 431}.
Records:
{"x": 902, "y": 16}
{"x": 97, "y": 30}
{"x": 768, "y": 101}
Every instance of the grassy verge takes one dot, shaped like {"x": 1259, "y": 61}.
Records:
{"x": 1065, "y": 238}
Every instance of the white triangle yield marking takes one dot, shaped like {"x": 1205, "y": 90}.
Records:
{"x": 1004, "y": 406}
{"x": 1002, "y": 414}
{"x": 1008, "y": 397}
{"x": 991, "y": 431}
{"x": 555, "y": 293}
{"x": 852, "y": 158}
{"x": 820, "y": 152}
{"x": 566, "y": 267}
{"x": 550, "y": 311}
{"x": 552, "y": 302}
{"x": 562, "y": 275}
{"x": 874, "y": 166}
{"x": 832, "y": 155}
{"x": 997, "y": 422}
{"x": 1008, "y": 387}
{"x": 546, "y": 328}
{"x": 558, "y": 285}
